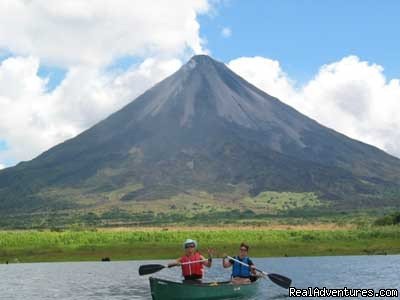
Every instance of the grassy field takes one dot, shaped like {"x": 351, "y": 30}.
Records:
{"x": 152, "y": 243}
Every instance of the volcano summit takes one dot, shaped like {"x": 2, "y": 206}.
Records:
{"x": 201, "y": 138}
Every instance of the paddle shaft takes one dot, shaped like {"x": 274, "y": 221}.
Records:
{"x": 246, "y": 265}
{"x": 152, "y": 268}
{"x": 280, "y": 280}
{"x": 187, "y": 263}
{"x": 193, "y": 262}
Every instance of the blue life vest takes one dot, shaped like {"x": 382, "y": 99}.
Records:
{"x": 239, "y": 270}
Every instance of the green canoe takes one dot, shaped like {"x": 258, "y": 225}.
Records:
{"x": 168, "y": 290}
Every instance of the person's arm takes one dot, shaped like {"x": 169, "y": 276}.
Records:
{"x": 208, "y": 262}
{"x": 252, "y": 267}
{"x": 175, "y": 263}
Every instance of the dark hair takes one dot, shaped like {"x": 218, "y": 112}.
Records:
{"x": 245, "y": 246}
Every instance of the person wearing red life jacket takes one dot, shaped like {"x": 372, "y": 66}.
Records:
{"x": 192, "y": 262}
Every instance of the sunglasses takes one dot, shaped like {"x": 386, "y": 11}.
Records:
{"x": 189, "y": 246}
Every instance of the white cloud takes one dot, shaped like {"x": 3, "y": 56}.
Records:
{"x": 350, "y": 96}
{"x": 226, "y": 32}
{"x": 21, "y": 102}
{"x": 264, "y": 73}
{"x": 95, "y": 32}
{"x": 355, "y": 98}
{"x": 84, "y": 38}
{"x": 2, "y": 166}
{"x": 103, "y": 93}
{"x": 33, "y": 120}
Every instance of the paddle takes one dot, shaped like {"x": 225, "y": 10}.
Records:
{"x": 152, "y": 268}
{"x": 280, "y": 280}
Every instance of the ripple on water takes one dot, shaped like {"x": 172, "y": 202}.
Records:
{"x": 120, "y": 281}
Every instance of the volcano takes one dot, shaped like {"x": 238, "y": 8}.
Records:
{"x": 203, "y": 130}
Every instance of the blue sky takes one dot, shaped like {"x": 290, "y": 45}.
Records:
{"x": 336, "y": 61}
{"x": 305, "y": 34}
{"x": 302, "y": 35}
{"x": 3, "y": 145}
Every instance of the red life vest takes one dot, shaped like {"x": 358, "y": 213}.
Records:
{"x": 192, "y": 269}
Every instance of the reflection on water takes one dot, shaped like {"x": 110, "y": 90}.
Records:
{"x": 120, "y": 281}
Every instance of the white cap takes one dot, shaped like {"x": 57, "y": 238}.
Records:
{"x": 189, "y": 241}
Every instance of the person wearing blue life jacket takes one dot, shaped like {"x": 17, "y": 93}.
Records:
{"x": 240, "y": 273}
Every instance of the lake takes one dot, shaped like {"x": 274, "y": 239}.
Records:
{"x": 120, "y": 280}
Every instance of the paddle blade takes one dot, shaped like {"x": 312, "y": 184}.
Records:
{"x": 280, "y": 280}
{"x": 150, "y": 269}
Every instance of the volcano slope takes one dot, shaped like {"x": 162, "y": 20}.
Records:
{"x": 203, "y": 140}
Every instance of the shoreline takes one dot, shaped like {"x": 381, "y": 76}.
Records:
{"x": 156, "y": 259}
{"x": 165, "y": 243}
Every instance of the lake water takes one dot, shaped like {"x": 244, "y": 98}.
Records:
{"x": 120, "y": 280}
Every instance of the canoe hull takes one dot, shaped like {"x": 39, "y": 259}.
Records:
{"x": 168, "y": 290}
